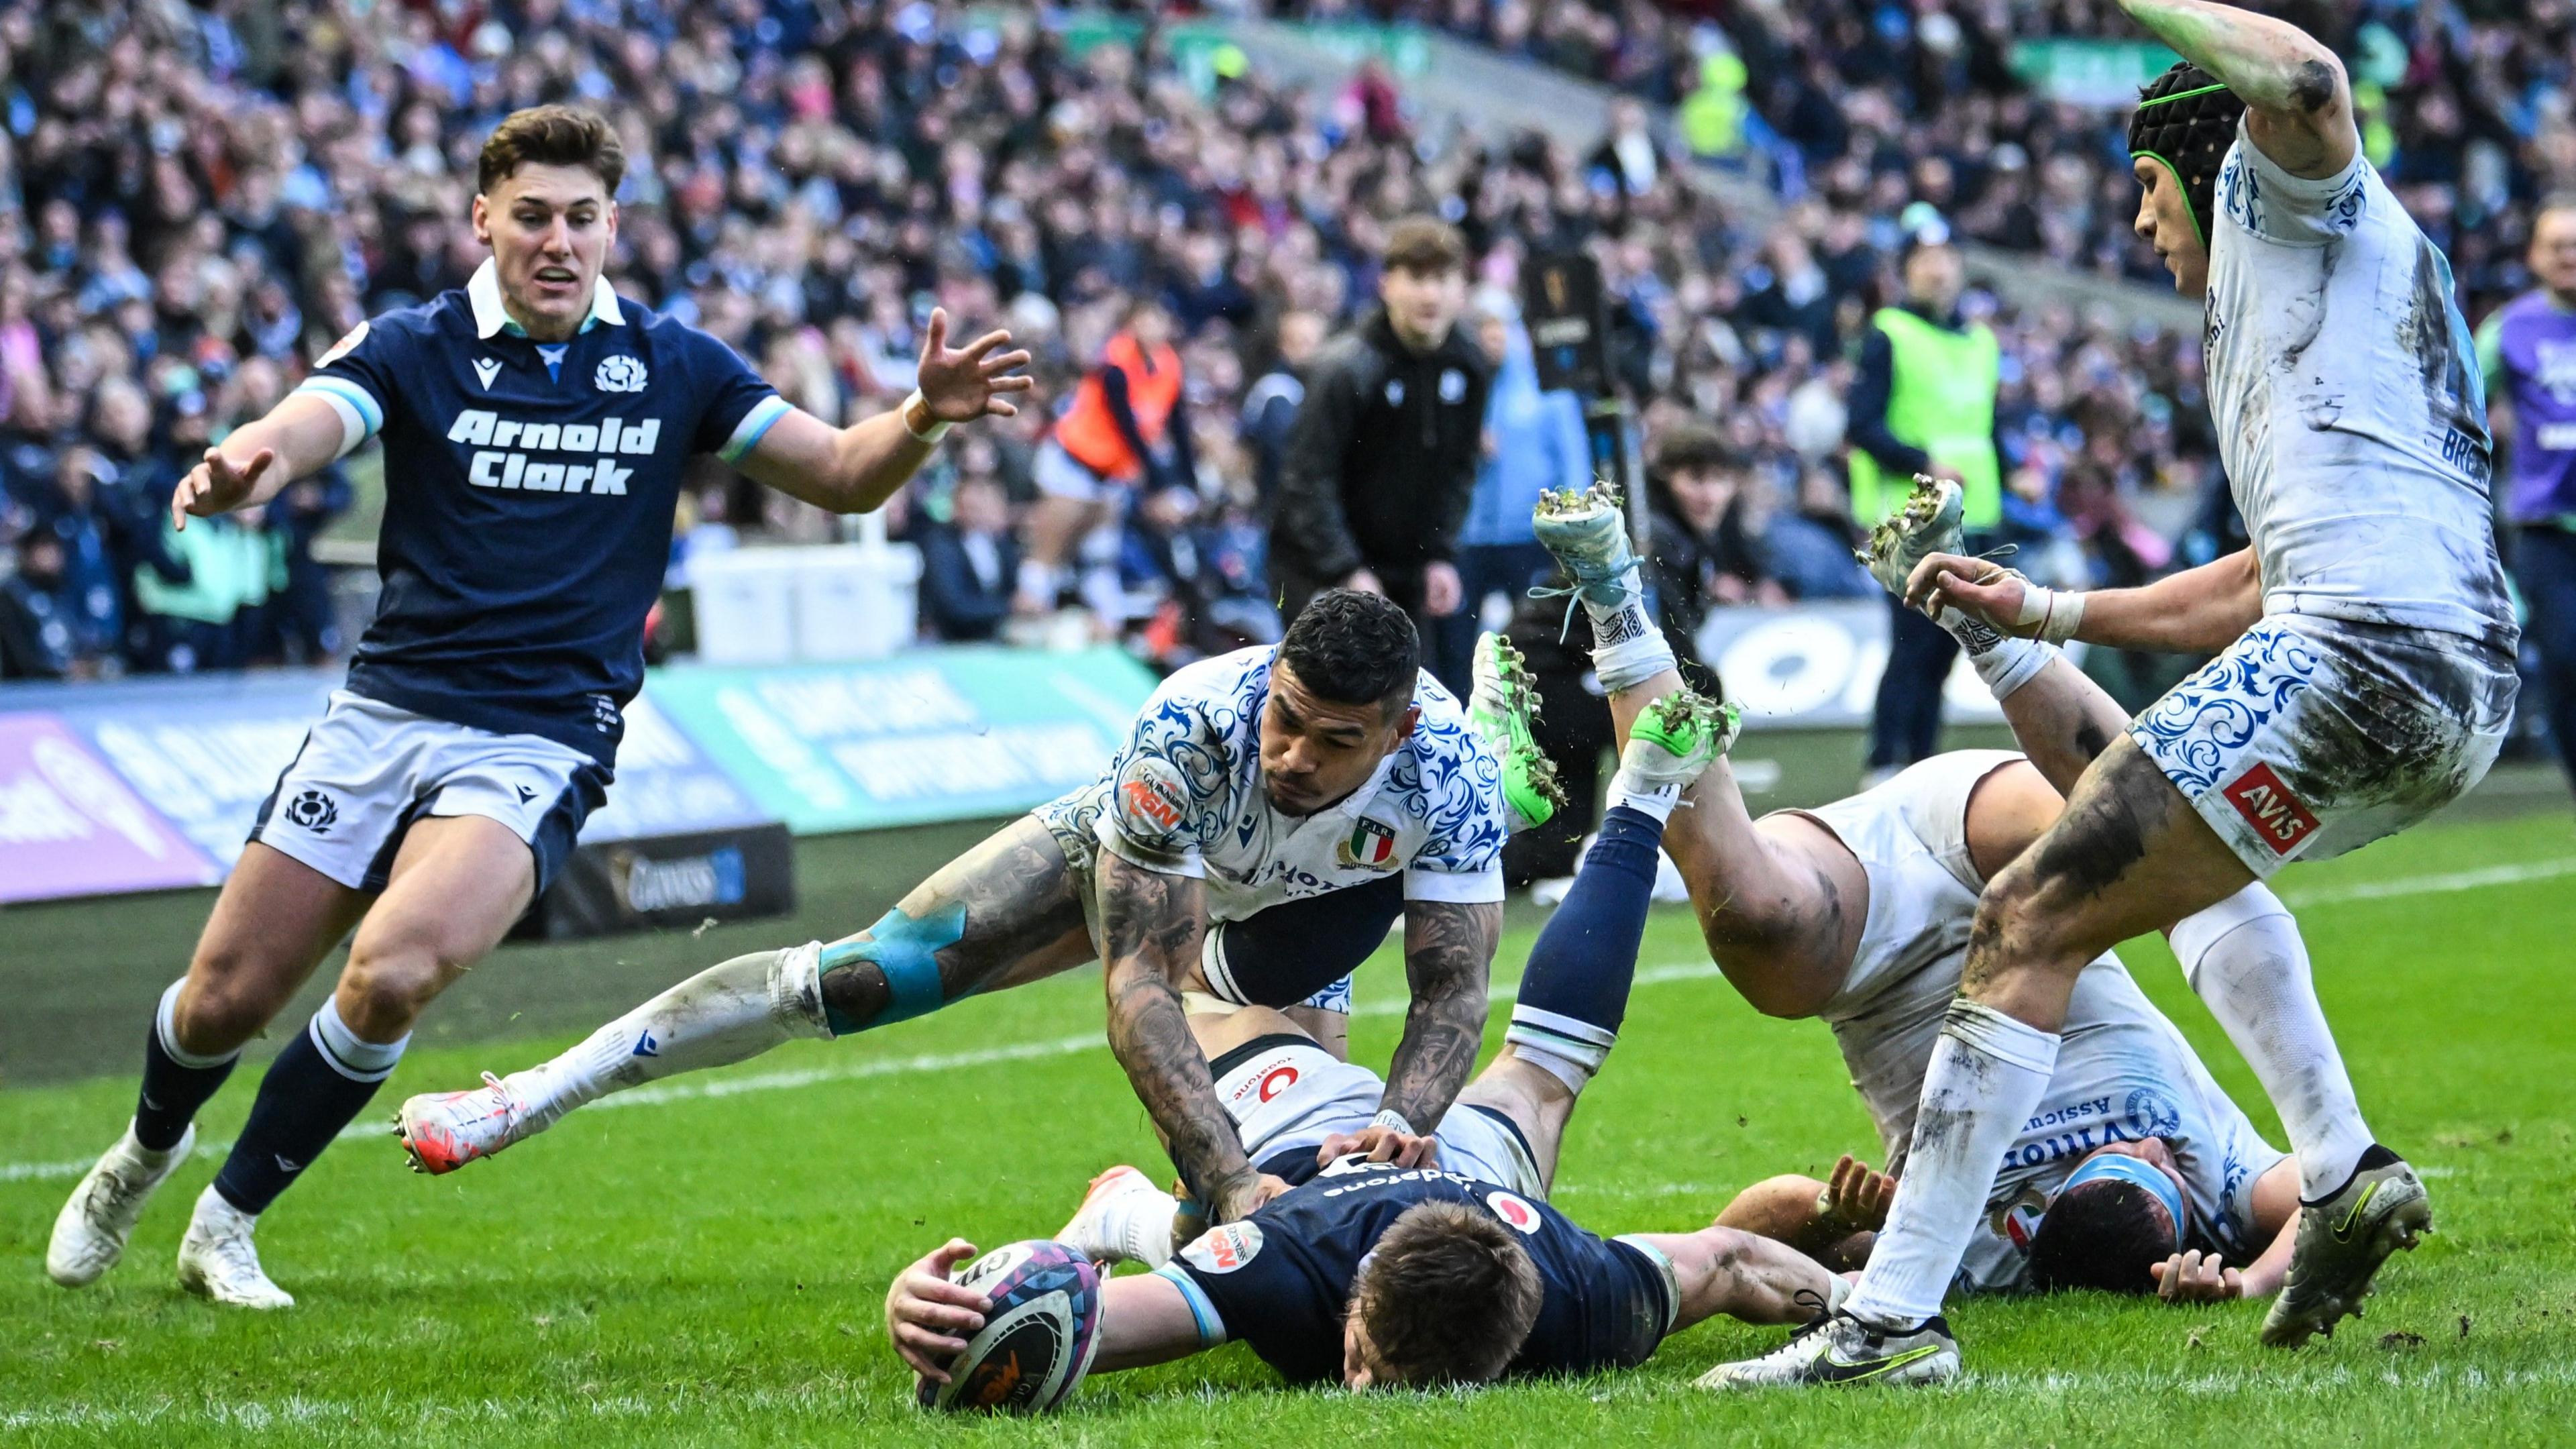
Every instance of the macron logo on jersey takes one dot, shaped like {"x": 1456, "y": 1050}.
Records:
{"x": 508, "y": 448}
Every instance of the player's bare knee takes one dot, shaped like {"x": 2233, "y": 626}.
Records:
{"x": 218, "y": 1012}
{"x": 389, "y": 985}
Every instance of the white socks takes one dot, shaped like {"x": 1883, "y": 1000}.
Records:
{"x": 722, "y": 1015}
{"x": 2245, "y": 959}
{"x": 1987, "y": 1075}
{"x": 1655, "y": 800}
{"x": 345, "y": 1052}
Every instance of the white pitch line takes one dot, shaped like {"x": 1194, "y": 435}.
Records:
{"x": 2428, "y": 885}
{"x": 664, "y": 1094}
{"x": 2271, "y": 1384}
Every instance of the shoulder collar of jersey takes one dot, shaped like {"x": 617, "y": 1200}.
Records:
{"x": 483, "y": 291}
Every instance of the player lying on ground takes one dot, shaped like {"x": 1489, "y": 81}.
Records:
{"x": 536, "y": 427}
{"x": 1376, "y": 1274}
{"x": 1271, "y": 813}
{"x": 1861, "y": 913}
{"x": 2364, "y": 679}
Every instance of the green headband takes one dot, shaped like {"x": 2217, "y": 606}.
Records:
{"x": 2176, "y": 173}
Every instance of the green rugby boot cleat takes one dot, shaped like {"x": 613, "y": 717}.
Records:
{"x": 1499, "y": 709}
{"x": 1674, "y": 741}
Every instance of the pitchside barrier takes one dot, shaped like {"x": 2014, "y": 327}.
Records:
{"x": 152, "y": 784}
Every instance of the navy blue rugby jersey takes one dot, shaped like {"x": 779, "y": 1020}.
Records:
{"x": 529, "y": 490}
{"x": 1280, "y": 1280}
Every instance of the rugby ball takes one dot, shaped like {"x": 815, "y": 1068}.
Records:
{"x": 1037, "y": 1342}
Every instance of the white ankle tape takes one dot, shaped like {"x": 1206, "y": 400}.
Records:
{"x": 796, "y": 991}
{"x": 2004, "y": 662}
{"x": 1657, "y": 801}
{"x": 1632, "y": 661}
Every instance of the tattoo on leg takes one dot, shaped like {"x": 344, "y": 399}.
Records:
{"x": 957, "y": 935}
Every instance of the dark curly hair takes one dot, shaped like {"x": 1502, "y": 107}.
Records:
{"x": 2186, "y": 120}
{"x": 2105, "y": 1235}
{"x": 1354, "y": 648}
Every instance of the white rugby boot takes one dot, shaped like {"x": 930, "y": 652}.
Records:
{"x": 218, "y": 1260}
{"x": 1840, "y": 1349}
{"x": 90, "y": 1232}
{"x": 1588, "y": 535}
{"x": 2341, "y": 1243}
{"x": 1931, "y": 520}
{"x": 1124, "y": 1218}
{"x": 443, "y": 1131}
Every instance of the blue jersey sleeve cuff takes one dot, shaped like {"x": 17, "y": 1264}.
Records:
{"x": 755, "y": 424}
{"x": 361, "y": 416}
{"x": 1211, "y": 1327}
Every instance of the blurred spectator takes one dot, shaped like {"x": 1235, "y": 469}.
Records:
{"x": 1127, "y": 428}
{"x": 1704, "y": 545}
{"x": 969, "y": 564}
{"x": 2528, "y": 352}
{"x": 1533, "y": 440}
{"x": 1270, "y": 404}
{"x": 1924, "y": 402}
{"x": 1382, "y": 463}
{"x": 39, "y": 614}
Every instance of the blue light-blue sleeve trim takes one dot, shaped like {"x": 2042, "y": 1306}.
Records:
{"x": 361, "y": 416}
{"x": 747, "y": 434}
{"x": 1211, "y": 1327}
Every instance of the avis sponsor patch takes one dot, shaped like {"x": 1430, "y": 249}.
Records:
{"x": 2279, "y": 820}
{"x": 1222, "y": 1250}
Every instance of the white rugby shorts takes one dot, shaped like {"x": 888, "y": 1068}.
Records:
{"x": 1286, "y": 1095}
{"x": 368, "y": 770}
{"x": 2313, "y": 736}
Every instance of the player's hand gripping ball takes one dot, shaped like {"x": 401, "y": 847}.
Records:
{"x": 1037, "y": 1342}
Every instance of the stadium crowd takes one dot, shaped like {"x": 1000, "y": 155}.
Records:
{"x": 199, "y": 199}
{"x": 2462, "y": 106}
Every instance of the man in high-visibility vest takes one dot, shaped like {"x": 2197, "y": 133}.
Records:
{"x": 1923, "y": 402}
{"x": 1126, "y": 428}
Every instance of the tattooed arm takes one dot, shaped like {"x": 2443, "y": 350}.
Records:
{"x": 1448, "y": 954}
{"x": 1150, "y": 924}
{"x": 2298, "y": 104}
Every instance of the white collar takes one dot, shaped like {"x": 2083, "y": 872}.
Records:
{"x": 483, "y": 292}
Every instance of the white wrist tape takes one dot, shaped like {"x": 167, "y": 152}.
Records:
{"x": 1395, "y": 1119}
{"x": 937, "y": 429}
{"x": 2057, "y": 612}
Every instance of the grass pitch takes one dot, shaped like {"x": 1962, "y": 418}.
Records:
{"x": 704, "y": 1262}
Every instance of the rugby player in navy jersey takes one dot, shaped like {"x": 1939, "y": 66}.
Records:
{"x": 536, "y": 426}
{"x": 1458, "y": 1272}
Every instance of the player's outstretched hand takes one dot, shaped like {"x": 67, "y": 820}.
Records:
{"x": 1856, "y": 1197}
{"x": 929, "y": 1317}
{"x": 1380, "y": 1144}
{"x": 961, "y": 384}
{"x": 1976, "y": 587}
{"x": 217, "y": 485}
{"x": 2196, "y": 1278}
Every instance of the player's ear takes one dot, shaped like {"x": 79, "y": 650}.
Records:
{"x": 482, "y": 219}
{"x": 1405, "y": 722}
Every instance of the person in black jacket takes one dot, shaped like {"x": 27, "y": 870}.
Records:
{"x": 968, "y": 564}
{"x": 1382, "y": 461}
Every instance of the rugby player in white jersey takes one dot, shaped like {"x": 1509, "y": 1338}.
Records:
{"x": 1271, "y": 814}
{"x": 2364, "y": 678}
{"x": 536, "y": 428}
{"x": 1861, "y": 912}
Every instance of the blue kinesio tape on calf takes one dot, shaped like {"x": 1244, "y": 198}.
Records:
{"x": 904, "y": 949}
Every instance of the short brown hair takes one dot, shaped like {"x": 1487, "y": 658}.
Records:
{"x": 1424, "y": 245}
{"x": 552, "y": 136}
{"x": 1696, "y": 448}
{"x": 1448, "y": 1297}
